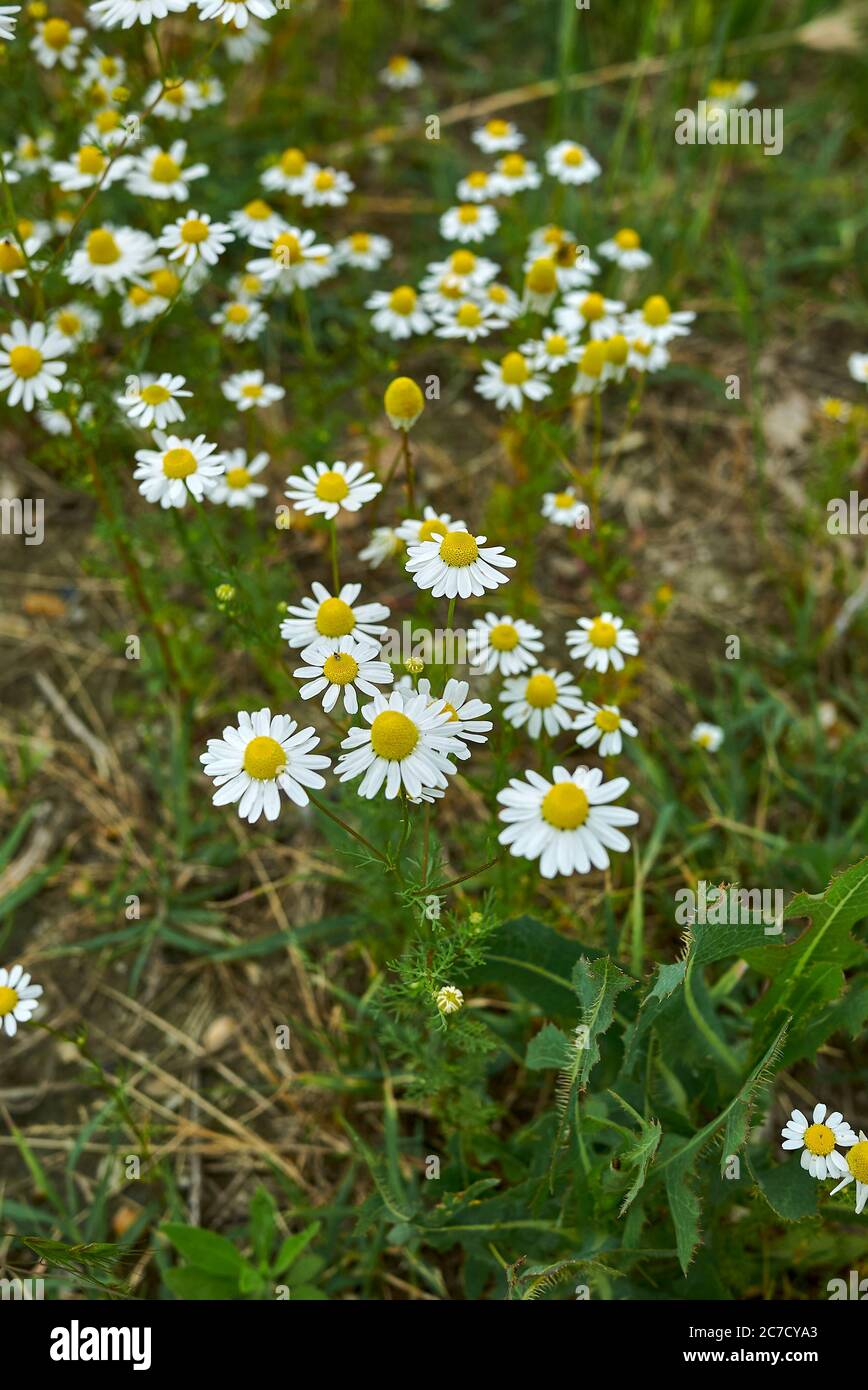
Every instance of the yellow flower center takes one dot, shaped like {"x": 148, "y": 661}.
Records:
{"x": 607, "y": 720}
{"x": 512, "y": 165}
{"x": 324, "y": 180}
{"x": 497, "y": 294}
{"x": 857, "y": 1159}
{"x": 165, "y": 169}
{"x": 194, "y": 231}
{"x": 819, "y": 1139}
{"x": 617, "y": 348}
{"x": 402, "y": 300}
{"x": 155, "y": 394}
{"x": 340, "y": 668}
{"x": 26, "y": 228}
{"x": 8, "y": 1000}
{"x": 627, "y": 239}
{"x": 656, "y": 310}
{"x": 264, "y": 758}
{"x": 593, "y": 358}
{"x": 477, "y": 179}
{"x": 564, "y": 500}
{"x": 332, "y": 486}
{"x": 469, "y": 316}
{"x": 542, "y": 277}
{"x": 458, "y": 549}
{"x": 106, "y": 121}
{"x": 541, "y": 691}
{"x": 593, "y": 307}
{"x": 293, "y": 163}
{"x": 468, "y": 214}
{"x": 166, "y": 283}
{"x": 360, "y": 241}
{"x": 565, "y": 806}
{"x": 10, "y": 257}
{"x": 68, "y": 323}
{"x": 251, "y": 284}
{"x": 513, "y": 369}
{"x": 429, "y": 529}
{"x": 393, "y": 736}
{"x": 497, "y": 128}
{"x": 25, "y": 361}
{"x": 705, "y": 739}
{"x": 237, "y": 477}
{"x": 238, "y": 313}
{"x": 257, "y": 210}
{"x": 56, "y": 33}
{"x": 108, "y": 66}
{"x": 503, "y": 637}
{"x": 462, "y": 262}
{"x": 252, "y": 391}
{"x": 602, "y": 633}
{"x": 556, "y": 345}
{"x": 179, "y": 463}
{"x": 90, "y": 161}
{"x": 176, "y": 94}
{"x": 722, "y": 87}
{"x": 450, "y": 289}
{"x": 398, "y": 64}
{"x": 573, "y": 156}
{"x": 335, "y": 618}
{"x": 403, "y": 399}
{"x": 138, "y": 295}
{"x": 102, "y": 249}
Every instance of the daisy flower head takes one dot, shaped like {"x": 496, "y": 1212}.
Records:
{"x": 18, "y": 999}
{"x": 56, "y": 41}
{"x": 8, "y": 20}
{"x": 603, "y": 724}
{"x": 504, "y": 644}
{"x": 568, "y": 823}
{"x": 87, "y": 168}
{"x": 505, "y": 301}
{"x": 110, "y": 255}
{"x": 30, "y": 365}
{"x": 175, "y": 99}
{"x": 730, "y": 91}
{"x": 236, "y": 12}
{"x": 363, "y": 250}
{"x": 625, "y": 249}
{"x": 324, "y": 490}
{"x": 854, "y": 1166}
{"x": 834, "y": 409}
{"x": 144, "y": 302}
{"x": 586, "y": 309}
{"x": 327, "y": 188}
{"x": 238, "y": 486}
{"x": 645, "y": 356}
{"x": 617, "y": 357}
{"x": 400, "y": 73}
{"x": 106, "y": 129}
{"x": 857, "y": 366}
{"x": 574, "y": 265}
{"x": 497, "y": 136}
{"x": 510, "y": 382}
{"x": 449, "y": 999}
{"x": 468, "y": 319}
{"x": 289, "y": 174}
{"x": 477, "y": 187}
{"x": 32, "y": 154}
{"x": 465, "y": 720}
{"x": 176, "y": 469}
{"x": 195, "y": 237}
{"x": 398, "y": 313}
{"x": 385, "y": 544}
{"x": 154, "y": 401}
{"x": 566, "y": 509}
{"x": 463, "y": 270}
{"x": 13, "y": 262}
{"x": 432, "y": 525}
{"x": 161, "y": 173}
{"x": 514, "y": 174}
{"x": 339, "y": 670}
{"x": 75, "y": 323}
{"x": 332, "y": 616}
{"x": 262, "y": 756}
{"x": 469, "y": 222}
{"x": 571, "y": 163}
{"x": 591, "y": 371}
{"x": 243, "y": 44}
{"x": 109, "y": 14}
{"x": 241, "y": 320}
{"x": 457, "y": 564}
{"x": 249, "y": 389}
{"x": 656, "y": 323}
{"x": 553, "y": 351}
{"x": 542, "y": 700}
{"x": 602, "y": 642}
{"x": 540, "y": 284}
{"x": 817, "y": 1139}
{"x": 294, "y": 258}
{"x": 403, "y": 402}
{"x": 405, "y": 743}
{"x": 707, "y": 736}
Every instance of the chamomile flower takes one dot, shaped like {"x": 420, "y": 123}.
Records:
{"x": 102, "y": 67}
{"x": 834, "y": 409}
{"x": 327, "y": 188}
{"x": 553, "y": 351}
{"x": 126, "y": 13}
{"x": 617, "y": 357}
{"x": 603, "y": 724}
{"x": 241, "y": 320}
{"x": 195, "y": 237}
{"x": 571, "y": 163}
{"x": 645, "y": 356}
{"x": 109, "y": 256}
{"x": 465, "y": 720}
{"x": 511, "y": 381}
{"x": 58, "y": 419}
{"x": 707, "y": 736}
{"x": 238, "y": 486}
{"x": 407, "y": 744}
{"x": 469, "y": 223}
{"x": 8, "y": 20}
{"x": 504, "y": 644}
{"x": 656, "y": 323}
{"x": 325, "y": 490}
{"x": 13, "y": 262}
{"x": 236, "y": 12}
{"x": 585, "y": 309}
{"x": 289, "y": 174}
{"x": 173, "y": 100}
{"x": 385, "y": 544}
{"x": 540, "y": 284}
{"x": 400, "y": 73}
{"x": 857, "y": 366}
{"x": 30, "y": 369}
{"x": 817, "y": 1139}
{"x": 87, "y": 168}
{"x": 294, "y": 258}
{"x": 469, "y": 320}
{"x": 106, "y": 129}
{"x": 339, "y": 670}
{"x": 75, "y": 323}
{"x": 154, "y": 401}
{"x": 542, "y": 700}
{"x": 497, "y": 136}
{"x": 591, "y": 372}
{"x": 457, "y": 564}
{"x": 250, "y": 389}
{"x": 854, "y": 1166}
{"x": 566, "y": 509}
{"x": 177, "y": 468}
{"x": 568, "y": 823}
{"x": 449, "y": 999}
{"x": 397, "y": 312}
{"x": 262, "y": 756}
{"x": 602, "y": 642}
{"x": 431, "y": 526}
{"x": 332, "y": 616}
{"x": 625, "y": 249}
{"x": 363, "y": 250}
{"x": 56, "y": 41}
{"x": 144, "y": 302}
{"x": 403, "y": 402}
{"x": 513, "y": 174}
{"x": 477, "y": 187}
{"x": 211, "y": 91}
{"x": 243, "y": 44}
{"x": 33, "y": 154}
{"x": 505, "y": 301}
{"x": 573, "y": 267}
{"x": 18, "y": 998}
{"x": 465, "y": 270}
{"x": 162, "y": 173}
{"x": 727, "y": 92}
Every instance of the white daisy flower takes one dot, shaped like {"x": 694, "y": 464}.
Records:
{"x": 477, "y": 187}
{"x": 211, "y": 91}
{"x": 567, "y": 823}
{"x": 542, "y": 700}
{"x": 510, "y": 382}
{"x": 321, "y": 490}
{"x": 241, "y": 320}
{"x": 469, "y": 320}
{"x": 400, "y": 73}
{"x": 243, "y": 44}
{"x": 645, "y": 356}
{"x": 602, "y": 642}
{"x": 257, "y": 216}
{"x": 101, "y": 67}
{"x": 8, "y": 21}
{"x": 707, "y": 736}
{"x": 513, "y": 174}
{"x": 237, "y": 487}
{"x": 406, "y": 746}
{"x": 857, "y": 366}
{"x": 552, "y": 352}
{"x": 625, "y": 249}
{"x": 604, "y": 724}
{"x": 617, "y": 351}
{"x": 457, "y": 564}
{"x": 504, "y": 644}
{"x": 574, "y": 266}
{"x": 725, "y": 92}
{"x": 469, "y": 222}
{"x": 88, "y": 168}
{"x": 363, "y": 250}
{"x": 292, "y": 259}
{"x": 327, "y": 188}
{"x": 465, "y": 720}
{"x": 385, "y": 544}
{"x": 56, "y": 41}
{"x": 176, "y": 468}
{"x": 449, "y": 999}
{"x": 32, "y": 154}
{"x": 236, "y": 12}
{"x": 106, "y": 129}
{"x": 571, "y": 163}
{"x": 338, "y": 670}
{"x": 13, "y": 262}
{"x": 159, "y": 173}
{"x": 193, "y": 237}
{"x": 540, "y": 284}
{"x": 464, "y": 269}
{"x": 290, "y": 174}
{"x": 249, "y": 389}
{"x": 496, "y": 136}
{"x": 817, "y": 1139}
{"x": 109, "y": 256}
{"x": 587, "y": 309}
{"x": 505, "y": 301}
{"x": 174, "y": 99}
{"x": 154, "y": 401}
{"x": 111, "y": 13}
{"x": 261, "y": 757}
{"x": 656, "y": 323}
{"x": 403, "y": 403}
{"x": 566, "y": 509}
{"x": 18, "y": 997}
{"x": 854, "y": 1166}
{"x": 75, "y": 323}
{"x": 397, "y": 312}
{"x": 430, "y": 526}
{"x": 591, "y": 371}
{"x": 30, "y": 369}
{"x": 333, "y": 616}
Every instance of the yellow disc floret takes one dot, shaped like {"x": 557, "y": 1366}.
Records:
{"x": 403, "y": 399}
{"x": 331, "y": 486}
{"x": 264, "y": 758}
{"x": 541, "y": 691}
{"x": 102, "y": 249}
{"x": 602, "y": 633}
{"x": 25, "y": 361}
{"x": 393, "y": 736}
{"x": 819, "y": 1139}
{"x": 340, "y": 668}
{"x": 179, "y": 463}
{"x": 335, "y": 618}
{"x": 607, "y": 720}
{"x": 514, "y": 369}
{"x": 8, "y": 1000}
{"x": 458, "y": 549}
{"x": 565, "y": 806}
{"x": 503, "y": 637}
